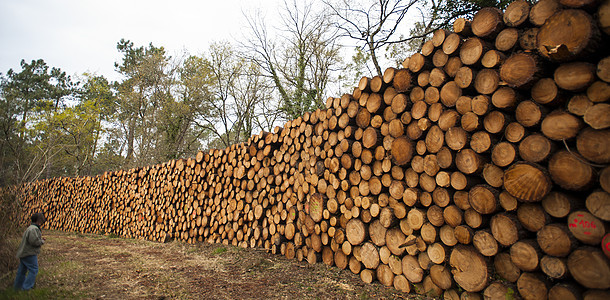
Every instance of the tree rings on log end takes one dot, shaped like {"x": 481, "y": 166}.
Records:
{"x": 527, "y": 182}
{"x": 402, "y": 150}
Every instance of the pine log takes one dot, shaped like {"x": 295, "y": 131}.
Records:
{"x": 598, "y": 116}
{"x": 575, "y": 76}
{"x": 525, "y": 255}
{"x": 472, "y": 50}
{"x": 487, "y": 22}
{"x": 543, "y": 10}
{"x": 485, "y": 243}
{"x": 516, "y": 13}
{"x": 505, "y": 229}
{"x": 411, "y": 269}
{"x": 559, "y": 205}
{"x": 505, "y": 267}
{"x": 470, "y": 269}
{"x": 586, "y": 227}
{"x": 531, "y": 286}
{"x": 487, "y": 81}
{"x": 568, "y": 34}
{"x": 598, "y": 204}
{"x": 535, "y": 148}
{"x": 520, "y": 70}
{"x": 527, "y": 182}
{"x": 462, "y": 26}
{"x": 590, "y": 268}
{"x": 507, "y": 39}
{"x": 532, "y": 216}
{"x": 570, "y": 171}
{"x": 402, "y": 150}
{"x": 554, "y": 267}
{"x": 565, "y": 291}
{"x": 356, "y": 232}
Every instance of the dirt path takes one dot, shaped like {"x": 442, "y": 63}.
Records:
{"x": 101, "y": 267}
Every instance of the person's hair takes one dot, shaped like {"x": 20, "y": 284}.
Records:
{"x": 37, "y": 217}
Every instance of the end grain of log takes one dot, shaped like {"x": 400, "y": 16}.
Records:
{"x": 527, "y": 182}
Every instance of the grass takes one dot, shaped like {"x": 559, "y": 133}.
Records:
{"x": 87, "y": 266}
{"x": 220, "y": 250}
{"x": 38, "y": 293}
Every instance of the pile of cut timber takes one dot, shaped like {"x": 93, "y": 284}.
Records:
{"x": 479, "y": 169}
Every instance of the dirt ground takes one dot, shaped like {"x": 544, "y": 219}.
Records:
{"x": 86, "y": 266}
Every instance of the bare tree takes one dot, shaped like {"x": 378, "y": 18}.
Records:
{"x": 376, "y": 25}
{"x": 373, "y": 25}
{"x": 299, "y": 60}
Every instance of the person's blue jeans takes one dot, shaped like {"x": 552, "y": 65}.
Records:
{"x": 29, "y": 265}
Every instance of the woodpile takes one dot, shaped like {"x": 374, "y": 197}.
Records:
{"x": 478, "y": 169}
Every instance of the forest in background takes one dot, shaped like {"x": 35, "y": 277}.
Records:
{"x": 166, "y": 107}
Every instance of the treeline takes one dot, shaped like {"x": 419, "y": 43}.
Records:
{"x": 166, "y": 107}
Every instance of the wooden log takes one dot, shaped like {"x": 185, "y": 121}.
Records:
{"x": 470, "y": 269}
{"x": 385, "y": 275}
{"x": 603, "y": 67}
{"x": 516, "y": 13}
{"x": 528, "y": 113}
{"x": 507, "y": 39}
{"x": 505, "y": 267}
{"x": 452, "y": 43}
{"x": 559, "y": 205}
{"x": 483, "y": 199}
{"x": 356, "y": 232}
{"x": 545, "y": 91}
{"x": 586, "y": 227}
{"x": 569, "y": 171}
{"x": 505, "y": 98}
{"x": 394, "y": 239}
{"x": 603, "y": 13}
{"x": 487, "y": 22}
{"x": 441, "y": 276}
{"x": 590, "y": 268}
{"x": 535, "y": 148}
{"x": 485, "y": 243}
{"x": 597, "y": 116}
{"x": 487, "y": 81}
{"x": 525, "y": 254}
{"x": 462, "y": 26}
{"x": 527, "y": 182}
{"x": 496, "y": 290}
{"x": 543, "y": 10}
{"x": 402, "y": 150}
{"x": 598, "y": 204}
{"x": 505, "y": 229}
{"x": 531, "y": 286}
{"x": 472, "y": 50}
{"x": 564, "y": 291}
{"x": 411, "y": 269}
{"x": 520, "y": 70}
{"x": 574, "y": 76}
{"x": 568, "y": 34}
{"x": 554, "y": 267}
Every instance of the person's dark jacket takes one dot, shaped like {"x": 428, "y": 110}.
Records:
{"x": 31, "y": 242}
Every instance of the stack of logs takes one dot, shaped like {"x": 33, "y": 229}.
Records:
{"x": 480, "y": 168}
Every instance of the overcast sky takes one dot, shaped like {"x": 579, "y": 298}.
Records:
{"x": 81, "y": 35}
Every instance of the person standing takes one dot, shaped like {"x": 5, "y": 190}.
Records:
{"x": 28, "y": 254}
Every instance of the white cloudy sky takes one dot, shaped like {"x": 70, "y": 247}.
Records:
{"x": 81, "y": 35}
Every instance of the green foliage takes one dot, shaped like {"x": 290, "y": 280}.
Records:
{"x": 29, "y": 101}
{"x": 218, "y": 251}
